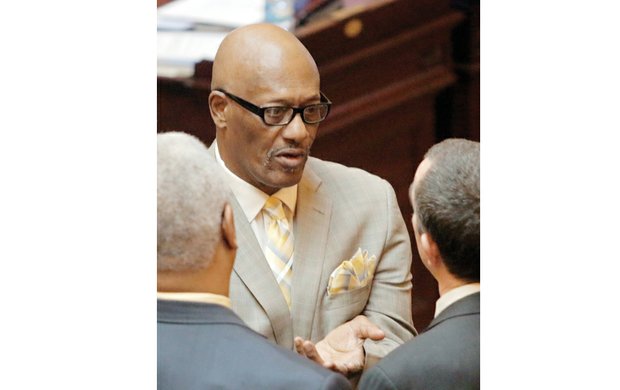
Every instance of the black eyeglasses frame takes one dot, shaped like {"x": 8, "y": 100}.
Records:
{"x": 260, "y": 111}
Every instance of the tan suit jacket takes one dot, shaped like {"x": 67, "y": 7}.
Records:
{"x": 339, "y": 210}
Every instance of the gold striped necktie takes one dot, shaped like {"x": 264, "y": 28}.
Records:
{"x": 279, "y": 248}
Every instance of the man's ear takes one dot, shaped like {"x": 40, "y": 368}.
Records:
{"x": 217, "y": 105}
{"x": 430, "y": 248}
{"x": 228, "y": 227}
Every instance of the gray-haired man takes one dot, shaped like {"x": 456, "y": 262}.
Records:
{"x": 201, "y": 343}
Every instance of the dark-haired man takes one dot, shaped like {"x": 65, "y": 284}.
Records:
{"x": 445, "y": 195}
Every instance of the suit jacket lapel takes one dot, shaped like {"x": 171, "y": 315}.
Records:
{"x": 311, "y": 229}
{"x": 253, "y": 270}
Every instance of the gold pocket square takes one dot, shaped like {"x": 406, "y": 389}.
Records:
{"x": 351, "y": 274}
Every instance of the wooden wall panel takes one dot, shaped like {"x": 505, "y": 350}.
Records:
{"x": 384, "y": 83}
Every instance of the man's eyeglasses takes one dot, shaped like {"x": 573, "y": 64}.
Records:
{"x": 283, "y": 115}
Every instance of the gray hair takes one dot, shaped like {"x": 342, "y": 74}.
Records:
{"x": 191, "y": 195}
{"x": 447, "y": 204}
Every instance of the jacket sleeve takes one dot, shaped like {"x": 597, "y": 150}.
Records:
{"x": 389, "y": 304}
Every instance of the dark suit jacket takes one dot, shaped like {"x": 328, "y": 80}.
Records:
{"x": 445, "y": 356}
{"x": 206, "y": 346}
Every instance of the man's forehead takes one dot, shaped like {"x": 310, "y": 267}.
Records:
{"x": 264, "y": 65}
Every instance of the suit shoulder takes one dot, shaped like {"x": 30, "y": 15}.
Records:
{"x": 332, "y": 173}
{"x": 457, "y": 337}
{"x": 449, "y": 350}
{"x": 195, "y": 352}
{"x": 376, "y": 379}
{"x": 293, "y": 370}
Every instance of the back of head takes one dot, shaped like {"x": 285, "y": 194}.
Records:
{"x": 191, "y": 195}
{"x": 447, "y": 205}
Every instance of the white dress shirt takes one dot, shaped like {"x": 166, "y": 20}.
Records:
{"x": 195, "y": 297}
{"x": 454, "y": 295}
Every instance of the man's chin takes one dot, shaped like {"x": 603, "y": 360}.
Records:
{"x": 284, "y": 179}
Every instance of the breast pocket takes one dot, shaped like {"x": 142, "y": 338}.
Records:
{"x": 342, "y": 307}
{"x": 355, "y": 299}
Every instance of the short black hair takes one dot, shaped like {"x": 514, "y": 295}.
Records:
{"x": 447, "y": 204}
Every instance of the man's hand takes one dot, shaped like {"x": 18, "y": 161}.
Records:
{"x": 342, "y": 350}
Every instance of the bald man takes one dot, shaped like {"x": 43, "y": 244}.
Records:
{"x": 324, "y": 256}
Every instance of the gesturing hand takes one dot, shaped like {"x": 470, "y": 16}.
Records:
{"x": 342, "y": 350}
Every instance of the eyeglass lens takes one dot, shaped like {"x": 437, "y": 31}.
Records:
{"x": 283, "y": 115}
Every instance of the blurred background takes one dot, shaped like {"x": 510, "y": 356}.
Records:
{"x": 402, "y": 76}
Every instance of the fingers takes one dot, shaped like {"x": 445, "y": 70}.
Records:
{"x": 347, "y": 368}
{"x": 364, "y": 328}
{"x": 372, "y": 332}
{"x": 311, "y": 352}
{"x": 308, "y": 349}
{"x": 299, "y": 345}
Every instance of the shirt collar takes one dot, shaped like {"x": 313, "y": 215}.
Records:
{"x": 454, "y": 295}
{"x": 195, "y": 297}
{"x": 250, "y": 198}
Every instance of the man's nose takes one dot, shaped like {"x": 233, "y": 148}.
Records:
{"x": 296, "y": 130}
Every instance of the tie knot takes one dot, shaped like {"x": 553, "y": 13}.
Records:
{"x": 273, "y": 208}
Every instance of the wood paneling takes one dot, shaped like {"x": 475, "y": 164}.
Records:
{"x": 383, "y": 82}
